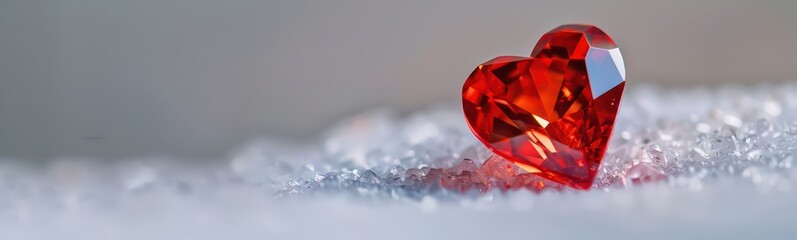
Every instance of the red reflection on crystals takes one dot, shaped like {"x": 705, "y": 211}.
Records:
{"x": 534, "y": 183}
{"x": 498, "y": 171}
{"x": 644, "y": 173}
{"x": 495, "y": 173}
{"x": 550, "y": 114}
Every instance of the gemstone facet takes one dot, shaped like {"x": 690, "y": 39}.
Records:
{"x": 552, "y": 113}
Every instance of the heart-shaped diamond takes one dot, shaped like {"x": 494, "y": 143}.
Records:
{"x": 552, "y": 113}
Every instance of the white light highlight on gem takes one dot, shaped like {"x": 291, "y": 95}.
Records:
{"x": 618, "y": 61}
{"x": 541, "y": 121}
{"x": 604, "y": 72}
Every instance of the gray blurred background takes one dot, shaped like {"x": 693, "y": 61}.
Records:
{"x": 195, "y": 78}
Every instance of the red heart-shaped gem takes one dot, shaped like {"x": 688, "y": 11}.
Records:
{"x": 552, "y": 113}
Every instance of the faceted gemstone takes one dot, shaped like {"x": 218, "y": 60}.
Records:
{"x": 552, "y": 113}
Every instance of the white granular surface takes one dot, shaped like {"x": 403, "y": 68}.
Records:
{"x": 726, "y": 152}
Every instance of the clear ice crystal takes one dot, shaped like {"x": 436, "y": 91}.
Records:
{"x": 369, "y": 177}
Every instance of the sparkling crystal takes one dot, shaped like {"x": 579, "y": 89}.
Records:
{"x": 348, "y": 177}
{"x": 644, "y": 173}
{"x": 477, "y": 152}
{"x": 369, "y": 177}
{"x": 461, "y": 182}
{"x": 466, "y": 165}
{"x": 396, "y": 176}
{"x": 534, "y": 183}
{"x": 417, "y": 173}
{"x": 435, "y": 176}
{"x": 552, "y": 113}
{"x": 498, "y": 168}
